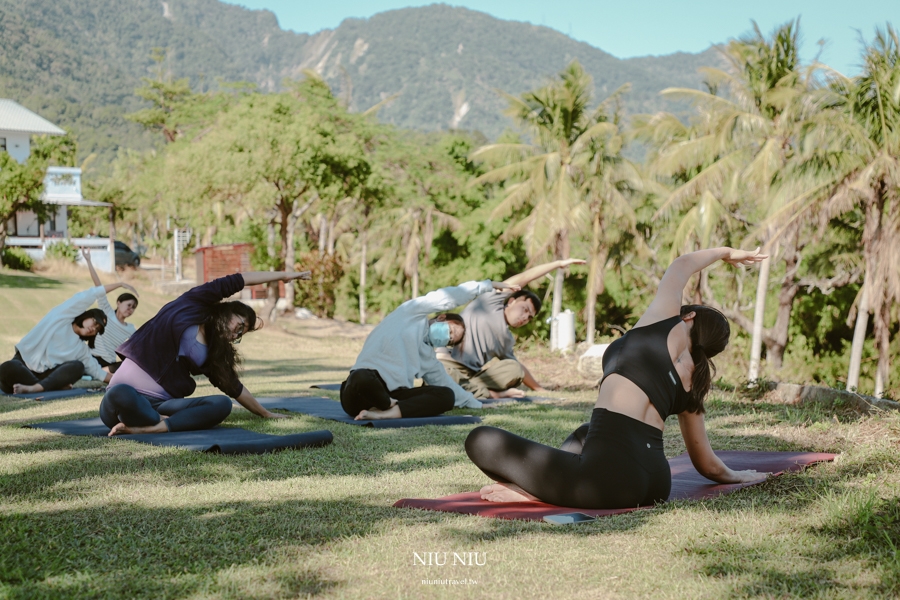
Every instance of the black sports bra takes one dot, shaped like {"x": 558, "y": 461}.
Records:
{"x": 642, "y": 357}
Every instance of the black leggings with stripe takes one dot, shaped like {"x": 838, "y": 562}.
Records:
{"x": 614, "y": 462}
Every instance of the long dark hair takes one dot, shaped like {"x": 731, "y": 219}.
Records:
{"x": 223, "y": 360}
{"x": 709, "y": 336}
{"x": 99, "y": 316}
{"x": 535, "y": 300}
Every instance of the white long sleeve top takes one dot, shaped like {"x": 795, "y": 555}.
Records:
{"x": 52, "y": 341}
{"x": 398, "y": 348}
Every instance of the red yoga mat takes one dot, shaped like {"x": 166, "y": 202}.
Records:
{"x": 687, "y": 484}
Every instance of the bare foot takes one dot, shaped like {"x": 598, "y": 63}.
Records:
{"x": 123, "y": 428}
{"x": 510, "y": 393}
{"x": 506, "y": 492}
{"x": 374, "y": 414}
{"x": 21, "y": 388}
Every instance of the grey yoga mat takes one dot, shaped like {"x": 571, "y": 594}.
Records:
{"x": 227, "y": 440}
{"x": 330, "y": 409}
{"x": 57, "y": 394}
{"x": 334, "y": 387}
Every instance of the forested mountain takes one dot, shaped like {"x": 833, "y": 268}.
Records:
{"x": 78, "y": 62}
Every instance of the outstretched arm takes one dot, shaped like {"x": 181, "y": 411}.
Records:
{"x": 693, "y": 430}
{"x": 247, "y": 400}
{"x": 86, "y": 253}
{"x": 530, "y": 381}
{"x": 526, "y": 277}
{"x": 258, "y": 277}
{"x": 667, "y": 302}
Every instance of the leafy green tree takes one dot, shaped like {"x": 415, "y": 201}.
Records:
{"x": 273, "y": 155}
{"x": 545, "y": 178}
{"x": 849, "y": 164}
{"x": 22, "y": 185}
{"x": 728, "y": 162}
{"x": 611, "y": 187}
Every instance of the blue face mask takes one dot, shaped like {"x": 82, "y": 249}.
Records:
{"x": 439, "y": 334}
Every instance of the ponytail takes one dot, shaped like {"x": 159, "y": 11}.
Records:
{"x": 709, "y": 336}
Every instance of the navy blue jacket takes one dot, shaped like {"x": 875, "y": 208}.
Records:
{"x": 155, "y": 345}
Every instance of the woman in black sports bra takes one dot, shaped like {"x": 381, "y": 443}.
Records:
{"x": 659, "y": 368}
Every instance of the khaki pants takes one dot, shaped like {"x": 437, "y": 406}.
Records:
{"x": 497, "y": 375}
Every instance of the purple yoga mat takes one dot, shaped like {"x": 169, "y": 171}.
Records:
{"x": 687, "y": 484}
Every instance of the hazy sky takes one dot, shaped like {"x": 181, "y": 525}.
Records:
{"x": 627, "y": 28}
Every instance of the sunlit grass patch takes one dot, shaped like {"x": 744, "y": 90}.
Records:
{"x": 95, "y": 517}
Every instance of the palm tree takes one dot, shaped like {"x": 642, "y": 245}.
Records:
{"x": 547, "y": 176}
{"x": 612, "y": 181}
{"x": 850, "y": 163}
{"x": 730, "y": 160}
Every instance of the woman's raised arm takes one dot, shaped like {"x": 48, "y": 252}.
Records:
{"x": 86, "y": 253}
{"x": 667, "y": 302}
{"x": 258, "y": 277}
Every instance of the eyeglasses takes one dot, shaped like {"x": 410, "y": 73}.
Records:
{"x": 239, "y": 332}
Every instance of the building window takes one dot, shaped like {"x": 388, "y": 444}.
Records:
{"x": 2, "y": 144}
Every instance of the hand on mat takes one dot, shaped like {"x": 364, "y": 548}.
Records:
{"x": 502, "y": 286}
{"x": 749, "y": 476}
{"x": 745, "y": 257}
{"x": 270, "y": 415}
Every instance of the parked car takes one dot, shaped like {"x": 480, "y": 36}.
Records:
{"x": 125, "y": 256}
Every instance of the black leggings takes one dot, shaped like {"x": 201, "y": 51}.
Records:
{"x": 122, "y": 403}
{"x": 364, "y": 389}
{"x": 621, "y": 463}
{"x": 16, "y": 371}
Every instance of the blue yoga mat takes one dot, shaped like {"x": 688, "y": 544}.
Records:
{"x": 494, "y": 402}
{"x": 330, "y": 409}
{"x": 227, "y": 440}
{"x": 57, "y": 394}
{"x": 334, "y": 387}
{"x": 490, "y": 403}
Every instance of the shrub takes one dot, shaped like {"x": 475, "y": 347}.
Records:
{"x": 318, "y": 295}
{"x": 16, "y": 258}
{"x": 62, "y": 250}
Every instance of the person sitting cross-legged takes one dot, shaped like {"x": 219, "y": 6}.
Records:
{"x": 192, "y": 335}
{"x": 484, "y": 363}
{"x": 53, "y": 355}
{"x": 661, "y": 367}
{"x": 401, "y": 349}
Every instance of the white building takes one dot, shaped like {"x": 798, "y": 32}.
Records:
{"x": 62, "y": 188}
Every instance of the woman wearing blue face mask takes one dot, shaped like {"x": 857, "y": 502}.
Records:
{"x": 401, "y": 349}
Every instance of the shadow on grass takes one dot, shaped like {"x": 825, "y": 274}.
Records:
{"x": 28, "y": 282}
{"x": 356, "y": 451}
{"x": 285, "y": 368}
{"x": 868, "y": 533}
{"x": 230, "y": 549}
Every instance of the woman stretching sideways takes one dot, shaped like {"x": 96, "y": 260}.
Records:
{"x": 659, "y": 368}
{"x": 401, "y": 349}
{"x": 192, "y": 335}
{"x": 117, "y": 330}
{"x": 53, "y": 355}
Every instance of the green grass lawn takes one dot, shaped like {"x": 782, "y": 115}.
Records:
{"x": 87, "y": 517}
